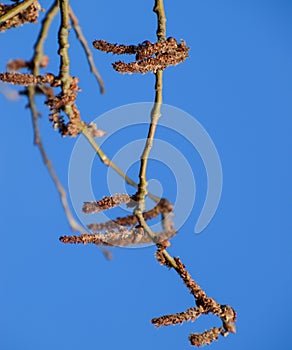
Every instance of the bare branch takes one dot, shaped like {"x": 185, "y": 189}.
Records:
{"x": 83, "y": 42}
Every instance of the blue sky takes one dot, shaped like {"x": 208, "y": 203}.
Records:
{"x": 237, "y": 83}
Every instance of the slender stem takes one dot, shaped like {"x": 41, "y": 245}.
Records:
{"x": 39, "y": 45}
{"x": 16, "y": 9}
{"x": 83, "y": 42}
{"x": 155, "y": 114}
{"x": 38, "y": 142}
{"x": 63, "y": 40}
{"x": 161, "y": 35}
{"x": 143, "y": 223}
{"x": 170, "y": 259}
{"x": 103, "y": 157}
{"x": 161, "y": 18}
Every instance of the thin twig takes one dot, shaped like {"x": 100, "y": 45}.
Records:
{"x": 155, "y": 114}
{"x": 38, "y": 142}
{"x": 161, "y": 27}
{"x": 83, "y": 42}
{"x": 145, "y": 226}
{"x": 39, "y": 45}
{"x": 108, "y": 162}
{"x": 16, "y": 9}
{"x": 169, "y": 259}
{"x": 63, "y": 40}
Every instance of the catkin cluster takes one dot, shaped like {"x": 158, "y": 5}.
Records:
{"x": 123, "y": 231}
{"x": 150, "y": 57}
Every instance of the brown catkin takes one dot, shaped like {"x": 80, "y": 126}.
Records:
{"x": 107, "y": 47}
{"x": 28, "y": 79}
{"x": 121, "y": 237}
{"x": 151, "y": 64}
{"x": 163, "y": 207}
{"x": 205, "y": 338}
{"x": 190, "y": 314}
{"x": 17, "y": 64}
{"x": 150, "y": 57}
{"x": 105, "y": 203}
{"x": 208, "y": 304}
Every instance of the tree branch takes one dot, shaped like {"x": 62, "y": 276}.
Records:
{"x": 83, "y": 42}
{"x": 39, "y": 45}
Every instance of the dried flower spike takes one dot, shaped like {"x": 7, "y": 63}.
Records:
{"x": 105, "y": 203}
{"x": 17, "y": 64}
{"x": 149, "y": 57}
{"x": 28, "y": 79}
{"x": 120, "y": 238}
{"x": 107, "y": 47}
{"x": 205, "y": 338}
{"x": 59, "y": 103}
{"x": 190, "y": 314}
{"x": 164, "y": 206}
